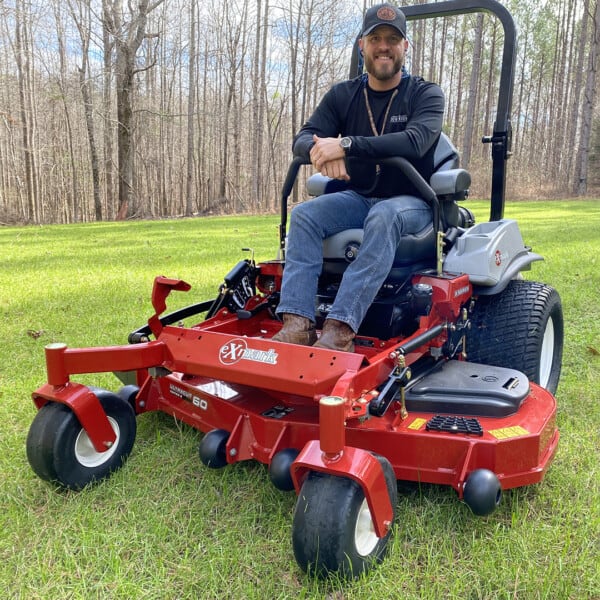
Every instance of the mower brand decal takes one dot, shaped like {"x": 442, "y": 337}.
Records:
{"x": 500, "y": 256}
{"x": 417, "y": 423}
{"x": 461, "y": 291}
{"x": 509, "y": 432}
{"x": 236, "y": 350}
{"x": 185, "y": 395}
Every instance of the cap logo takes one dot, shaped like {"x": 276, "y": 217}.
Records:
{"x": 386, "y": 13}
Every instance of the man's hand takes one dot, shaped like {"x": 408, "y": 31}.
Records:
{"x": 327, "y": 156}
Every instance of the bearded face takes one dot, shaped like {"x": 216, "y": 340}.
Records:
{"x": 383, "y": 67}
{"x": 384, "y": 51}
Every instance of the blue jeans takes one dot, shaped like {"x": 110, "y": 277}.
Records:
{"x": 384, "y": 221}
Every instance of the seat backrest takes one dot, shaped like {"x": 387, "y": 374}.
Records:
{"x": 446, "y": 155}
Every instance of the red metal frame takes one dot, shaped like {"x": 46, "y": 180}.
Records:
{"x": 227, "y": 373}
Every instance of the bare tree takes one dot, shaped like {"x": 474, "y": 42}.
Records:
{"x": 24, "y": 75}
{"x": 576, "y": 92}
{"x": 189, "y": 182}
{"x": 62, "y": 81}
{"x": 589, "y": 100}
{"x": 82, "y": 17}
{"x": 128, "y": 32}
{"x": 107, "y": 73}
{"x": 473, "y": 93}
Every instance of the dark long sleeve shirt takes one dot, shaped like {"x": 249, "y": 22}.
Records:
{"x": 411, "y": 130}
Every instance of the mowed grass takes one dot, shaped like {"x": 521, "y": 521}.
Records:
{"x": 166, "y": 527}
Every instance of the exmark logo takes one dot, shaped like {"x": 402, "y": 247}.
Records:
{"x": 463, "y": 290}
{"x": 500, "y": 257}
{"x": 236, "y": 350}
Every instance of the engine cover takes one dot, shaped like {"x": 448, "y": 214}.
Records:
{"x": 490, "y": 253}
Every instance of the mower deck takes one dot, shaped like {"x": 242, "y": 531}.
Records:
{"x": 228, "y": 374}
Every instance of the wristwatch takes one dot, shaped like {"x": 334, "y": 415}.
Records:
{"x": 346, "y": 143}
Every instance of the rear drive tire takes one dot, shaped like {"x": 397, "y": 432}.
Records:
{"x": 521, "y": 328}
{"x": 59, "y": 450}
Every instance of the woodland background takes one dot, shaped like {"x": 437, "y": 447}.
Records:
{"x": 158, "y": 108}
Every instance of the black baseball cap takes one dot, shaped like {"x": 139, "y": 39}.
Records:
{"x": 384, "y": 14}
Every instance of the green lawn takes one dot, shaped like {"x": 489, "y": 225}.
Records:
{"x": 166, "y": 527}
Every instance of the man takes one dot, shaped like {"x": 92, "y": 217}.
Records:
{"x": 384, "y": 113}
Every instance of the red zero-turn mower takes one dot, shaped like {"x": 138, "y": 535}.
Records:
{"x": 451, "y": 381}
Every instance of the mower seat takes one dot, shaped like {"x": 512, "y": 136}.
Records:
{"x": 416, "y": 251}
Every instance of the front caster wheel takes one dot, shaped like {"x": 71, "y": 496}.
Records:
{"x": 333, "y": 530}
{"x": 59, "y": 450}
{"x": 279, "y": 469}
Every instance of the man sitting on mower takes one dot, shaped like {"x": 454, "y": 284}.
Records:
{"x": 383, "y": 113}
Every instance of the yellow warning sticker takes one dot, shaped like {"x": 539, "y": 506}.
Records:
{"x": 417, "y": 423}
{"x": 509, "y": 432}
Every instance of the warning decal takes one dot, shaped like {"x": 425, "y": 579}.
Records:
{"x": 509, "y": 432}
{"x": 417, "y": 423}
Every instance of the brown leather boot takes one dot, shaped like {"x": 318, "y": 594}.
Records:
{"x": 336, "y": 335}
{"x": 296, "y": 330}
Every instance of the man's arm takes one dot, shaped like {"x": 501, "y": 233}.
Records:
{"x": 324, "y": 123}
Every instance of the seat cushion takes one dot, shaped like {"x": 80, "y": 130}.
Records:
{"x": 342, "y": 248}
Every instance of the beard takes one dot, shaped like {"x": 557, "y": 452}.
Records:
{"x": 383, "y": 72}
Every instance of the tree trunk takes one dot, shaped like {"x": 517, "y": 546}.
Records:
{"x": 459, "y": 86}
{"x": 74, "y": 212}
{"x": 189, "y": 181}
{"x": 589, "y": 99}
{"x": 107, "y": 47}
{"x": 128, "y": 37}
{"x": 576, "y": 96}
{"x": 84, "y": 26}
{"x": 23, "y": 76}
{"x": 473, "y": 93}
{"x": 124, "y": 80}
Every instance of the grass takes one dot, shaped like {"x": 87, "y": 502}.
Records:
{"x": 166, "y": 527}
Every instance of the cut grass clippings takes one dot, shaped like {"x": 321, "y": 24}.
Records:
{"x": 166, "y": 527}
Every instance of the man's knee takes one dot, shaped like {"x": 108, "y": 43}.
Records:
{"x": 383, "y": 215}
{"x": 302, "y": 214}
{"x": 408, "y": 216}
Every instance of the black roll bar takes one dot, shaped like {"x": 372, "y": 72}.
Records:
{"x": 286, "y": 190}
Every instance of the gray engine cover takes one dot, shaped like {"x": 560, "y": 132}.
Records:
{"x": 490, "y": 253}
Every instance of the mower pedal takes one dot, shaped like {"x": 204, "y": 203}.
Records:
{"x": 449, "y": 424}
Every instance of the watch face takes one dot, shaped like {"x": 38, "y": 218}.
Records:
{"x": 345, "y": 142}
